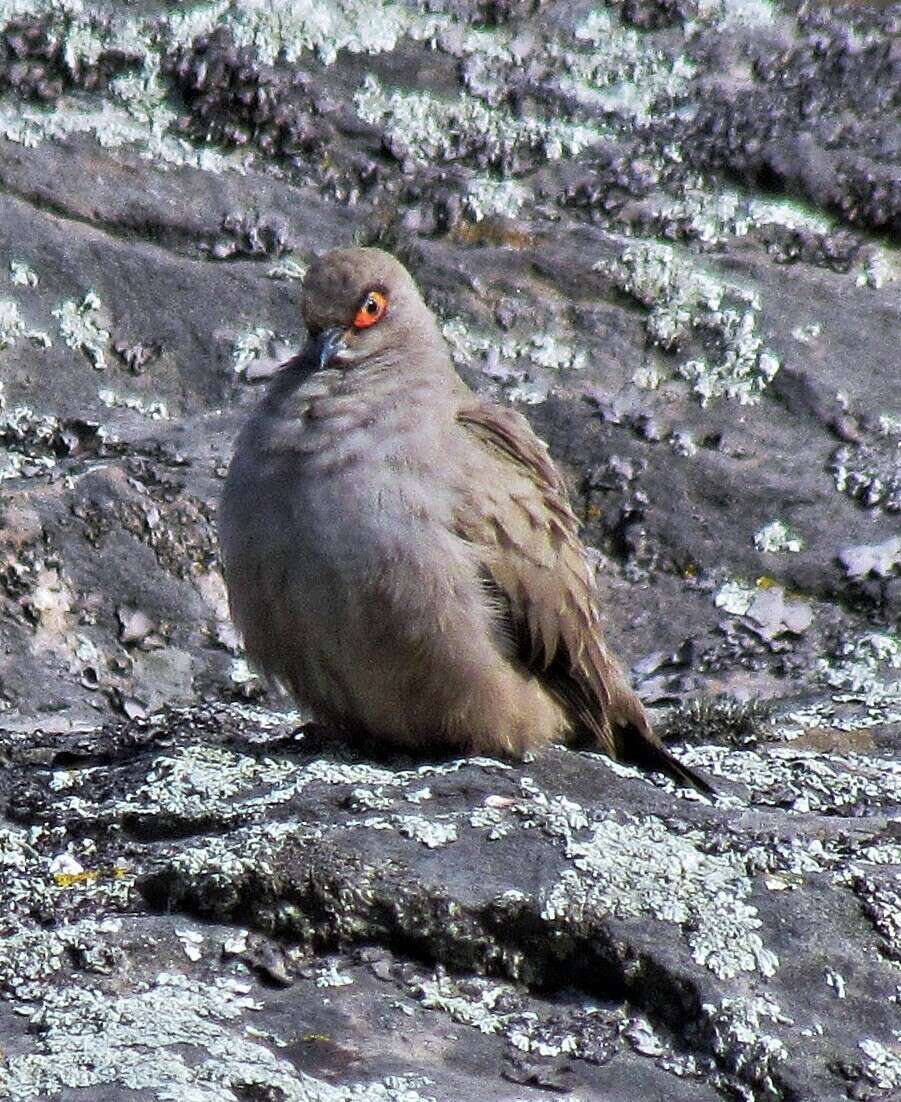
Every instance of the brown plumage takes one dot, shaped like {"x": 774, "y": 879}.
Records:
{"x": 402, "y": 555}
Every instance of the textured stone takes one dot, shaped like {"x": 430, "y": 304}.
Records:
{"x": 666, "y": 232}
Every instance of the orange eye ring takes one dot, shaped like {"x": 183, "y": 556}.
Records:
{"x": 372, "y": 309}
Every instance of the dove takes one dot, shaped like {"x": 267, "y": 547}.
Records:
{"x": 402, "y": 555}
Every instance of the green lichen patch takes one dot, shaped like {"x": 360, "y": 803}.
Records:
{"x": 288, "y": 268}
{"x": 112, "y": 126}
{"x": 488, "y": 196}
{"x": 684, "y": 301}
{"x": 196, "y": 783}
{"x": 32, "y": 889}
{"x": 522, "y": 366}
{"x": 421, "y": 129}
{"x": 778, "y": 536}
{"x": 192, "y": 1039}
{"x": 154, "y": 410}
{"x": 867, "y": 669}
{"x": 34, "y": 442}
{"x": 728, "y": 14}
{"x": 878, "y": 269}
{"x": 28, "y": 438}
{"x": 117, "y": 52}
{"x": 20, "y": 275}
{"x": 767, "y": 608}
{"x": 585, "y": 1032}
{"x": 477, "y": 1003}
{"x": 252, "y": 344}
{"x": 432, "y": 833}
{"x": 806, "y": 781}
{"x": 881, "y": 1064}
{"x": 870, "y": 471}
{"x": 740, "y": 1033}
{"x": 203, "y": 783}
{"x": 79, "y": 329}
{"x": 13, "y": 326}
{"x": 278, "y": 31}
{"x": 638, "y": 868}
{"x": 619, "y": 70}
{"x": 734, "y": 597}
{"x": 714, "y": 215}
{"x": 879, "y": 891}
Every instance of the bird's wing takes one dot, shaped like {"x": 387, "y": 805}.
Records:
{"x": 526, "y": 535}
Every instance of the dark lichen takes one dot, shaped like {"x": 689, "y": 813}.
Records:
{"x": 721, "y": 720}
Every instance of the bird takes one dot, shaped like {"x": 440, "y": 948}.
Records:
{"x": 402, "y": 555}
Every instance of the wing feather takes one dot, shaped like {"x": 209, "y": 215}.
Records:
{"x": 527, "y": 537}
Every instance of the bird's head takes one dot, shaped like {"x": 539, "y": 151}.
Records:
{"x": 362, "y": 306}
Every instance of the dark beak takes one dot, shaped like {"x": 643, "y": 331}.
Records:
{"x": 317, "y": 354}
{"x": 328, "y": 344}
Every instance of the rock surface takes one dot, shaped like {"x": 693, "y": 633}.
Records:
{"x": 666, "y": 232}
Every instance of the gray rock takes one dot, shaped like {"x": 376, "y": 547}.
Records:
{"x": 665, "y": 231}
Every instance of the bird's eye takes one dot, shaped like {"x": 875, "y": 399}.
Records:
{"x": 373, "y": 309}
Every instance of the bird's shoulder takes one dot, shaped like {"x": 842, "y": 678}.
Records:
{"x": 527, "y": 535}
{"x": 510, "y": 436}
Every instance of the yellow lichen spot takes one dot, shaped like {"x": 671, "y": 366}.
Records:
{"x": 70, "y": 879}
{"x": 89, "y": 876}
{"x": 766, "y": 582}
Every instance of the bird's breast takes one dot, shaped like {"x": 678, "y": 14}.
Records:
{"x": 336, "y": 481}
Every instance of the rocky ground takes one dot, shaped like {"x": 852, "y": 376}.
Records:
{"x": 666, "y": 232}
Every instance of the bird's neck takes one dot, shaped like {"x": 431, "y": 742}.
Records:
{"x": 383, "y": 400}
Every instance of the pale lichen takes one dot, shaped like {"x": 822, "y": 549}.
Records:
{"x": 778, "y": 536}
{"x": 638, "y": 868}
{"x": 734, "y": 597}
{"x": 178, "y": 1038}
{"x": 739, "y": 1039}
{"x": 423, "y": 129}
{"x": 13, "y": 326}
{"x": 486, "y": 196}
{"x": 331, "y": 976}
{"x": 772, "y": 610}
{"x": 276, "y": 30}
{"x": 879, "y": 268}
{"x": 882, "y": 1064}
{"x": 430, "y": 832}
{"x": 287, "y": 268}
{"x": 20, "y": 275}
{"x": 805, "y": 782}
{"x": 252, "y": 344}
{"x": 492, "y": 821}
{"x": 684, "y": 299}
{"x": 870, "y": 472}
{"x": 732, "y": 14}
{"x": 512, "y": 361}
{"x": 79, "y": 329}
{"x": 807, "y": 334}
{"x": 868, "y": 669}
{"x": 155, "y": 410}
{"x": 620, "y": 72}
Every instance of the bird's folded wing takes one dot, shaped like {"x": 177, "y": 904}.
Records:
{"x": 526, "y": 535}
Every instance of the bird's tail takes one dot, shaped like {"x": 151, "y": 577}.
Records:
{"x": 636, "y": 744}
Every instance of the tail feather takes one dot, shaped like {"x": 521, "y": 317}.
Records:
{"x": 636, "y": 744}
{"x": 608, "y": 716}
